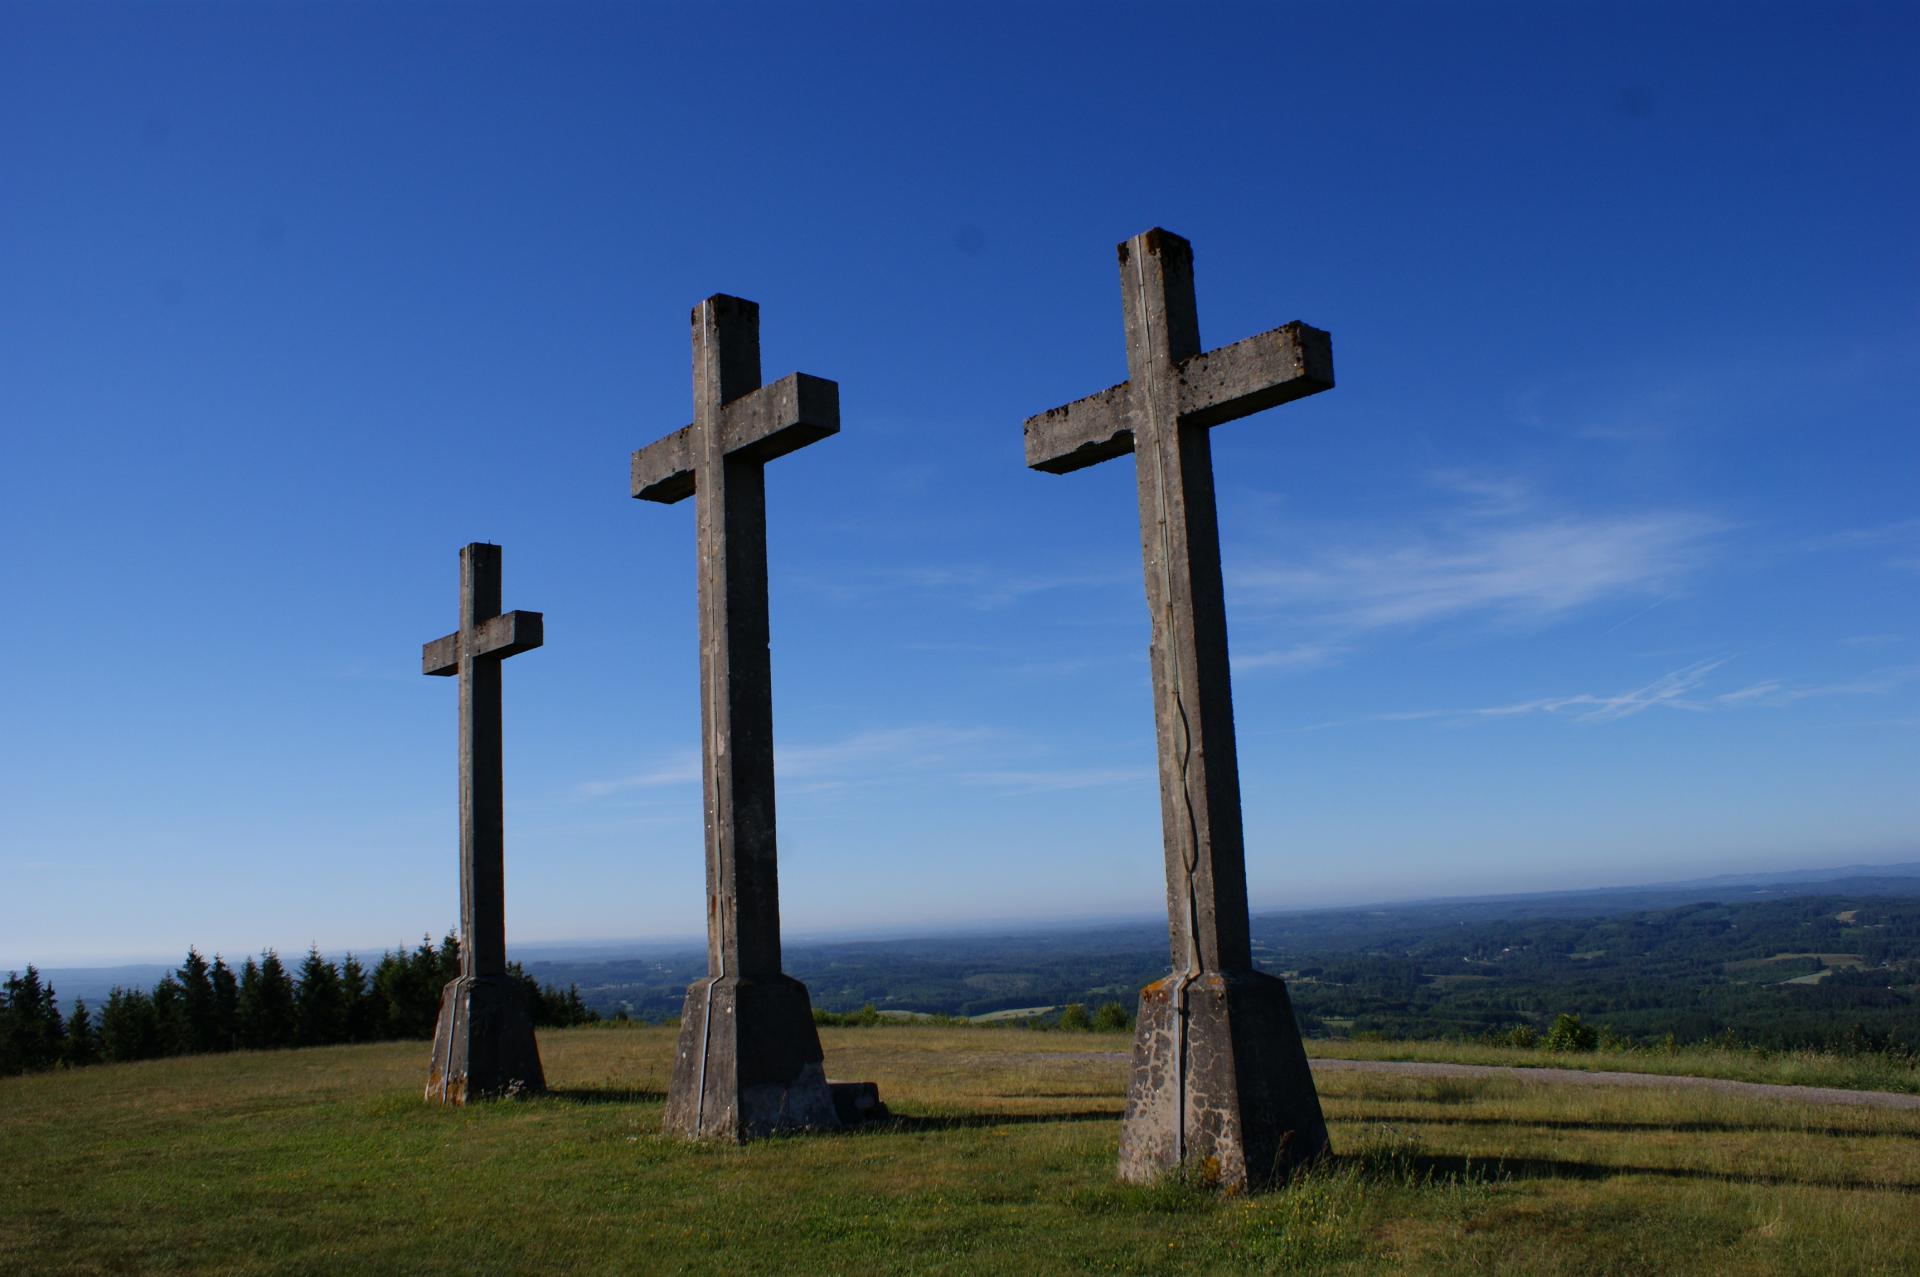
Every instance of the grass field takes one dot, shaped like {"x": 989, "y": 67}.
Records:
{"x": 999, "y": 1161}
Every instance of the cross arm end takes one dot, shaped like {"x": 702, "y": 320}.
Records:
{"x": 510, "y": 633}
{"x": 663, "y": 470}
{"x": 442, "y": 656}
{"x": 1275, "y": 367}
{"x": 1082, "y": 433}
{"x": 784, "y": 417}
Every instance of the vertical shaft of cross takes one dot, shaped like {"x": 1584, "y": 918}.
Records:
{"x": 1180, "y": 543}
{"x": 736, "y": 674}
{"x": 483, "y": 1042}
{"x": 482, "y": 822}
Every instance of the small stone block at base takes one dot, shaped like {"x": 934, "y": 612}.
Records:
{"x": 857, "y": 1102}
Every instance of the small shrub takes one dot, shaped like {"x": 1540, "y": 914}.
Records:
{"x": 1111, "y": 1018}
{"x": 1568, "y": 1034}
{"x": 1523, "y": 1036}
{"x": 1075, "y": 1016}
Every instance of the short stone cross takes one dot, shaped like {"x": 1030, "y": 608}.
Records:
{"x": 1220, "y": 1079}
{"x": 748, "y": 1061}
{"x": 483, "y": 1045}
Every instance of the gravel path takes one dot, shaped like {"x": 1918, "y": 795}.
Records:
{"x": 1662, "y": 1081}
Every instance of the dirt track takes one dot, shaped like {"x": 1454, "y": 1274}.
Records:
{"x": 1661, "y": 1081}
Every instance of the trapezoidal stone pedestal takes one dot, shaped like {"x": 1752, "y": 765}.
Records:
{"x": 483, "y": 1047}
{"x": 749, "y": 1062}
{"x": 1251, "y": 1114}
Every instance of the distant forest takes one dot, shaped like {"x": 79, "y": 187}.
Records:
{"x": 1832, "y": 965}
{"x": 208, "y": 1007}
{"x": 1823, "y": 970}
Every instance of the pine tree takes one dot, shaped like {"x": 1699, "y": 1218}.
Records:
{"x": 578, "y": 1012}
{"x": 275, "y": 1019}
{"x": 358, "y": 1004}
{"x": 226, "y": 1006}
{"x": 127, "y": 1028}
{"x": 198, "y": 1033}
{"x": 10, "y": 1061}
{"x": 449, "y": 966}
{"x": 170, "y": 1016}
{"x": 83, "y": 1045}
{"x": 319, "y": 1007}
{"x": 34, "y": 1026}
{"x": 248, "y": 1004}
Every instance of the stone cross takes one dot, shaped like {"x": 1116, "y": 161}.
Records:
{"x": 483, "y": 1044}
{"x": 749, "y": 1060}
{"x": 1220, "y": 1078}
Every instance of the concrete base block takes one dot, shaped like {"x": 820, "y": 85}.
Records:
{"x": 857, "y": 1102}
{"x": 1250, "y": 1114}
{"x": 748, "y": 1063}
{"x": 483, "y": 1047}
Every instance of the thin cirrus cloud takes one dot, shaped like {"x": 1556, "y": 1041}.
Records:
{"x": 974, "y": 585}
{"x": 1672, "y": 690}
{"x": 1679, "y": 689}
{"x": 963, "y": 754}
{"x": 1898, "y": 542}
{"x": 1045, "y": 781}
{"x": 880, "y": 751}
{"x": 1512, "y": 570}
{"x": 1298, "y": 656}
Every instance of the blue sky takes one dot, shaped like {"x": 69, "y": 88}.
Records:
{"x": 1599, "y": 565}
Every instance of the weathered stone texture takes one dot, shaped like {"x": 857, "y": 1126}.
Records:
{"x": 1252, "y": 1115}
{"x": 1220, "y": 1077}
{"x": 483, "y": 1047}
{"x": 748, "y": 1062}
{"x": 483, "y": 1044}
{"x": 749, "y": 1059}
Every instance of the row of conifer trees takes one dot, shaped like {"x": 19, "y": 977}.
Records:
{"x": 205, "y": 1007}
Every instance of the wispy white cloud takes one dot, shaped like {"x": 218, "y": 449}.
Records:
{"x": 1671, "y": 690}
{"x": 823, "y": 764}
{"x": 975, "y": 585}
{"x": 1775, "y": 692}
{"x": 1040, "y": 780}
{"x": 1680, "y": 689}
{"x": 1299, "y": 656}
{"x": 972, "y": 756}
{"x": 682, "y": 769}
{"x": 1485, "y": 494}
{"x": 1898, "y": 540}
{"x": 1527, "y": 570}
{"x": 882, "y": 750}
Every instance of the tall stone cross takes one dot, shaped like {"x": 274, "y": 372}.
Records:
{"x": 483, "y": 1044}
{"x": 1220, "y": 1078}
{"x": 748, "y": 1061}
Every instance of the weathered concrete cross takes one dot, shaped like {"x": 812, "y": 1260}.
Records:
{"x": 749, "y": 1059}
{"x": 484, "y": 1042}
{"x": 1220, "y": 1077}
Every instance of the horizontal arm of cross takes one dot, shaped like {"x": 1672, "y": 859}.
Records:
{"x": 1290, "y": 362}
{"x": 497, "y": 636}
{"x": 1075, "y": 435}
{"x": 759, "y": 426}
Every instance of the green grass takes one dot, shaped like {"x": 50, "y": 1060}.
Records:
{"x": 1869, "y": 1071}
{"x": 1000, "y": 1162}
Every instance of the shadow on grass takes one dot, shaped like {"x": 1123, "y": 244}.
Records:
{"x": 1691, "y": 1128}
{"x": 608, "y": 1095}
{"x": 1449, "y": 1168}
{"x": 895, "y": 1123}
